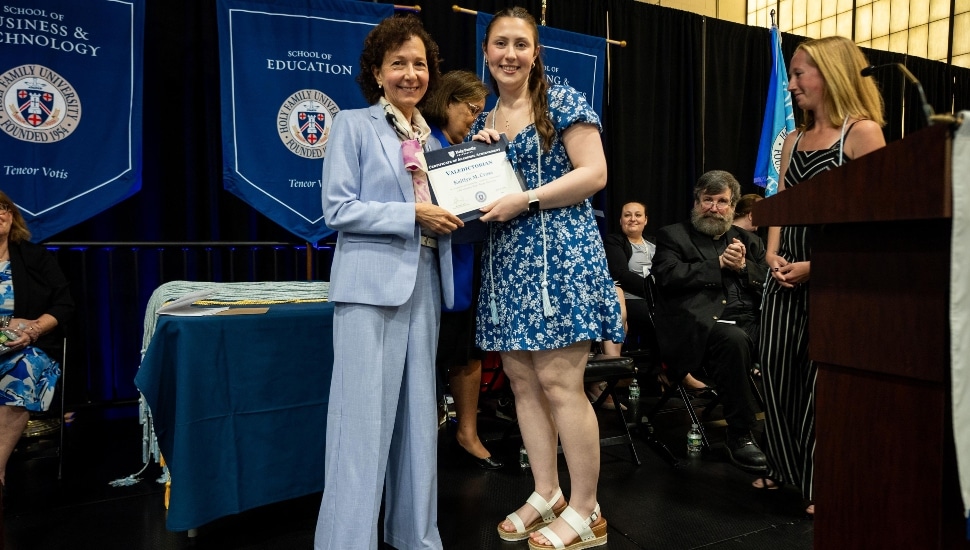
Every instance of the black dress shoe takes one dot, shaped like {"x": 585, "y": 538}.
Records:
{"x": 745, "y": 454}
{"x": 487, "y": 463}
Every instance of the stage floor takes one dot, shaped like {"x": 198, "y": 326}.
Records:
{"x": 704, "y": 503}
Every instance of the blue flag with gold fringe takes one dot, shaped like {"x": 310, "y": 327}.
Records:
{"x": 779, "y": 120}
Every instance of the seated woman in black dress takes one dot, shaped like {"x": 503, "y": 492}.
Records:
{"x": 34, "y": 301}
{"x": 629, "y": 256}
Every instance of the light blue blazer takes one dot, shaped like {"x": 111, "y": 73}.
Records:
{"x": 368, "y": 198}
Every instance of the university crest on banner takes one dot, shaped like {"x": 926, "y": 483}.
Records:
{"x": 287, "y": 68}
{"x": 60, "y": 111}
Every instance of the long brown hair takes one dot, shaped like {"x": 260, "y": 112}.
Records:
{"x": 537, "y": 77}
{"x": 18, "y": 227}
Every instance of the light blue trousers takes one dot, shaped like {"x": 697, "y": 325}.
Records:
{"x": 382, "y": 423}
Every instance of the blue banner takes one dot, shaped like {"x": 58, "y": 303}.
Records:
{"x": 569, "y": 58}
{"x": 287, "y": 67}
{"x": 70, "y": 126}
{"x": 779, "y": 120}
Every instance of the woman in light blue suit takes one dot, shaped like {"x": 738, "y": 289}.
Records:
{"x": 390, "y": 274}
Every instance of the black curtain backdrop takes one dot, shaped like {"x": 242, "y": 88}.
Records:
{"x": 684, "y": 96}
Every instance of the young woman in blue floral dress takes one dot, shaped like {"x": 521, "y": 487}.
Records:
{"x": 546, "y": 290}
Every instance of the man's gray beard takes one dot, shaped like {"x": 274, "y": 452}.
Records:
{"x": 709, "y": 225}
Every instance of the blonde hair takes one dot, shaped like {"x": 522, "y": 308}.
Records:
{"x": 847, "y": 92}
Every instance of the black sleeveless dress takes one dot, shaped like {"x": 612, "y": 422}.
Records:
{"x": 789, "y": 375}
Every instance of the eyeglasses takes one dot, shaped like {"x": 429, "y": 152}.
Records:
{"x": 475, "y": 109}
{"x": 4, "y": 208}
{"x": 722, "y": 204}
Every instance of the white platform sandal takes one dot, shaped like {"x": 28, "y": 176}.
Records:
{"x": 546, "y": 514}
{"x": 592, "y": 531}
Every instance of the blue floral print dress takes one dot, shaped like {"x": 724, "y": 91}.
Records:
{"x": 559, "y": 249}
{"x": 28, "y": 376}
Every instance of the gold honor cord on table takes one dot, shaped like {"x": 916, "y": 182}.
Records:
{"x": 258, "y": 302}
{"x": 459, "y": 9}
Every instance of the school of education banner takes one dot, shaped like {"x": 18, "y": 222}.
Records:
{"x": 287, "y": 67}
{"x": 70, "y": 125}
{"x": 569, "y": 58}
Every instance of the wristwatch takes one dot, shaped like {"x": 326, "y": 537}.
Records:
{"x": 533, "y": 200}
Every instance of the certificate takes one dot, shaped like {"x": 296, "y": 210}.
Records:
{"x": 468, "y": 176}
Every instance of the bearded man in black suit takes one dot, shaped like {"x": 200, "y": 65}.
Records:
{"x": 709, "y": 278}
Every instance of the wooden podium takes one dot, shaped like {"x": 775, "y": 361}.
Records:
{"x": 885, "y": 467}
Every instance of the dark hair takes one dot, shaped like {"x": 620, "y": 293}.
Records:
{"x": 641, "y": 203}
{"x": 18, "y": 226}
{"x": 746, "y": 204}
{"x": 716, "y": 182}
{"x": 537, "y": 77}
{"x": 454, "y": 87}
{"x": 389, "y": 34}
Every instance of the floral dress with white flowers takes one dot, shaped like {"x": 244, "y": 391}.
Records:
{"x": 27, "y": 376}
{"x": 558, "y": 249}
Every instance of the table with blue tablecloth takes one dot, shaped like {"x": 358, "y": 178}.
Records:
{"x": 239, "y": 404}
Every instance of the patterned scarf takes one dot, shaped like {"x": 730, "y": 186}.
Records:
{"x": 413, "y": 136}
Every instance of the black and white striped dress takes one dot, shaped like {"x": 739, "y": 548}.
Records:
{"x": 789, "y": 376}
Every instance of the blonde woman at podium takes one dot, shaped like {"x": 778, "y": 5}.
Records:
{"x": 842, "y": 120}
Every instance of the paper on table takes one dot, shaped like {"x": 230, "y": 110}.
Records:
{"x": 183, "y": 306}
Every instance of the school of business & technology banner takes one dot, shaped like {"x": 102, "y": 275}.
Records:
{"x": 71, "y": 120}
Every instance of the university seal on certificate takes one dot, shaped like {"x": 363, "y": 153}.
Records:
{"x": 468, "y": 176}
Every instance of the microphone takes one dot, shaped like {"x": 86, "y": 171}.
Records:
{"x": 927, "y": 108}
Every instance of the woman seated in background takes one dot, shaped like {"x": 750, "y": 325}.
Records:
{"x": 450, "y": 111}
{"x": 629, "y": 256}
{"x": 34, "y": 301}
{"x": 742, "y": 213}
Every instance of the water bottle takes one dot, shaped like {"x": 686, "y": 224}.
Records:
{"x": 695, "y": 442}
{"x": 523, "y": 458}
{"x": 634, "y": 389}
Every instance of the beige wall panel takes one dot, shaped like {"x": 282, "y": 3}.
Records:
{"x": 961, "y": 6}
{"x": 961, "y": 35}
{"x": 844, "y": 24}
{"x": 936, "y": 41}
{"x": 813, "y": 30}
{"x": 880, "y": 18}
{"x": 863, "y": 24}
{"x": 731, "y": 10}
{"x": 829, "y": 8}
{"x": 880, "y": 43}
{"x": 828, "y": 27}
{"x": 919, "y": 12}
{"x": 918, "y": 41}
{"x": 962, "y": 60}
{"x": 898, "y": 15}
{"x": 798, "y": 14}
{"x": 939, "y": 9}
{"x": 784, "y": 15}
{"x": 899, "y": 41}
{"x": 813, "y": 11}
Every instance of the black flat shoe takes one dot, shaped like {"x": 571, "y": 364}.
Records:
{"x": 487, "y": 463}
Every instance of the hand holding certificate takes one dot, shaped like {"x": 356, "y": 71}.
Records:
{"x": 468, "y": 176}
